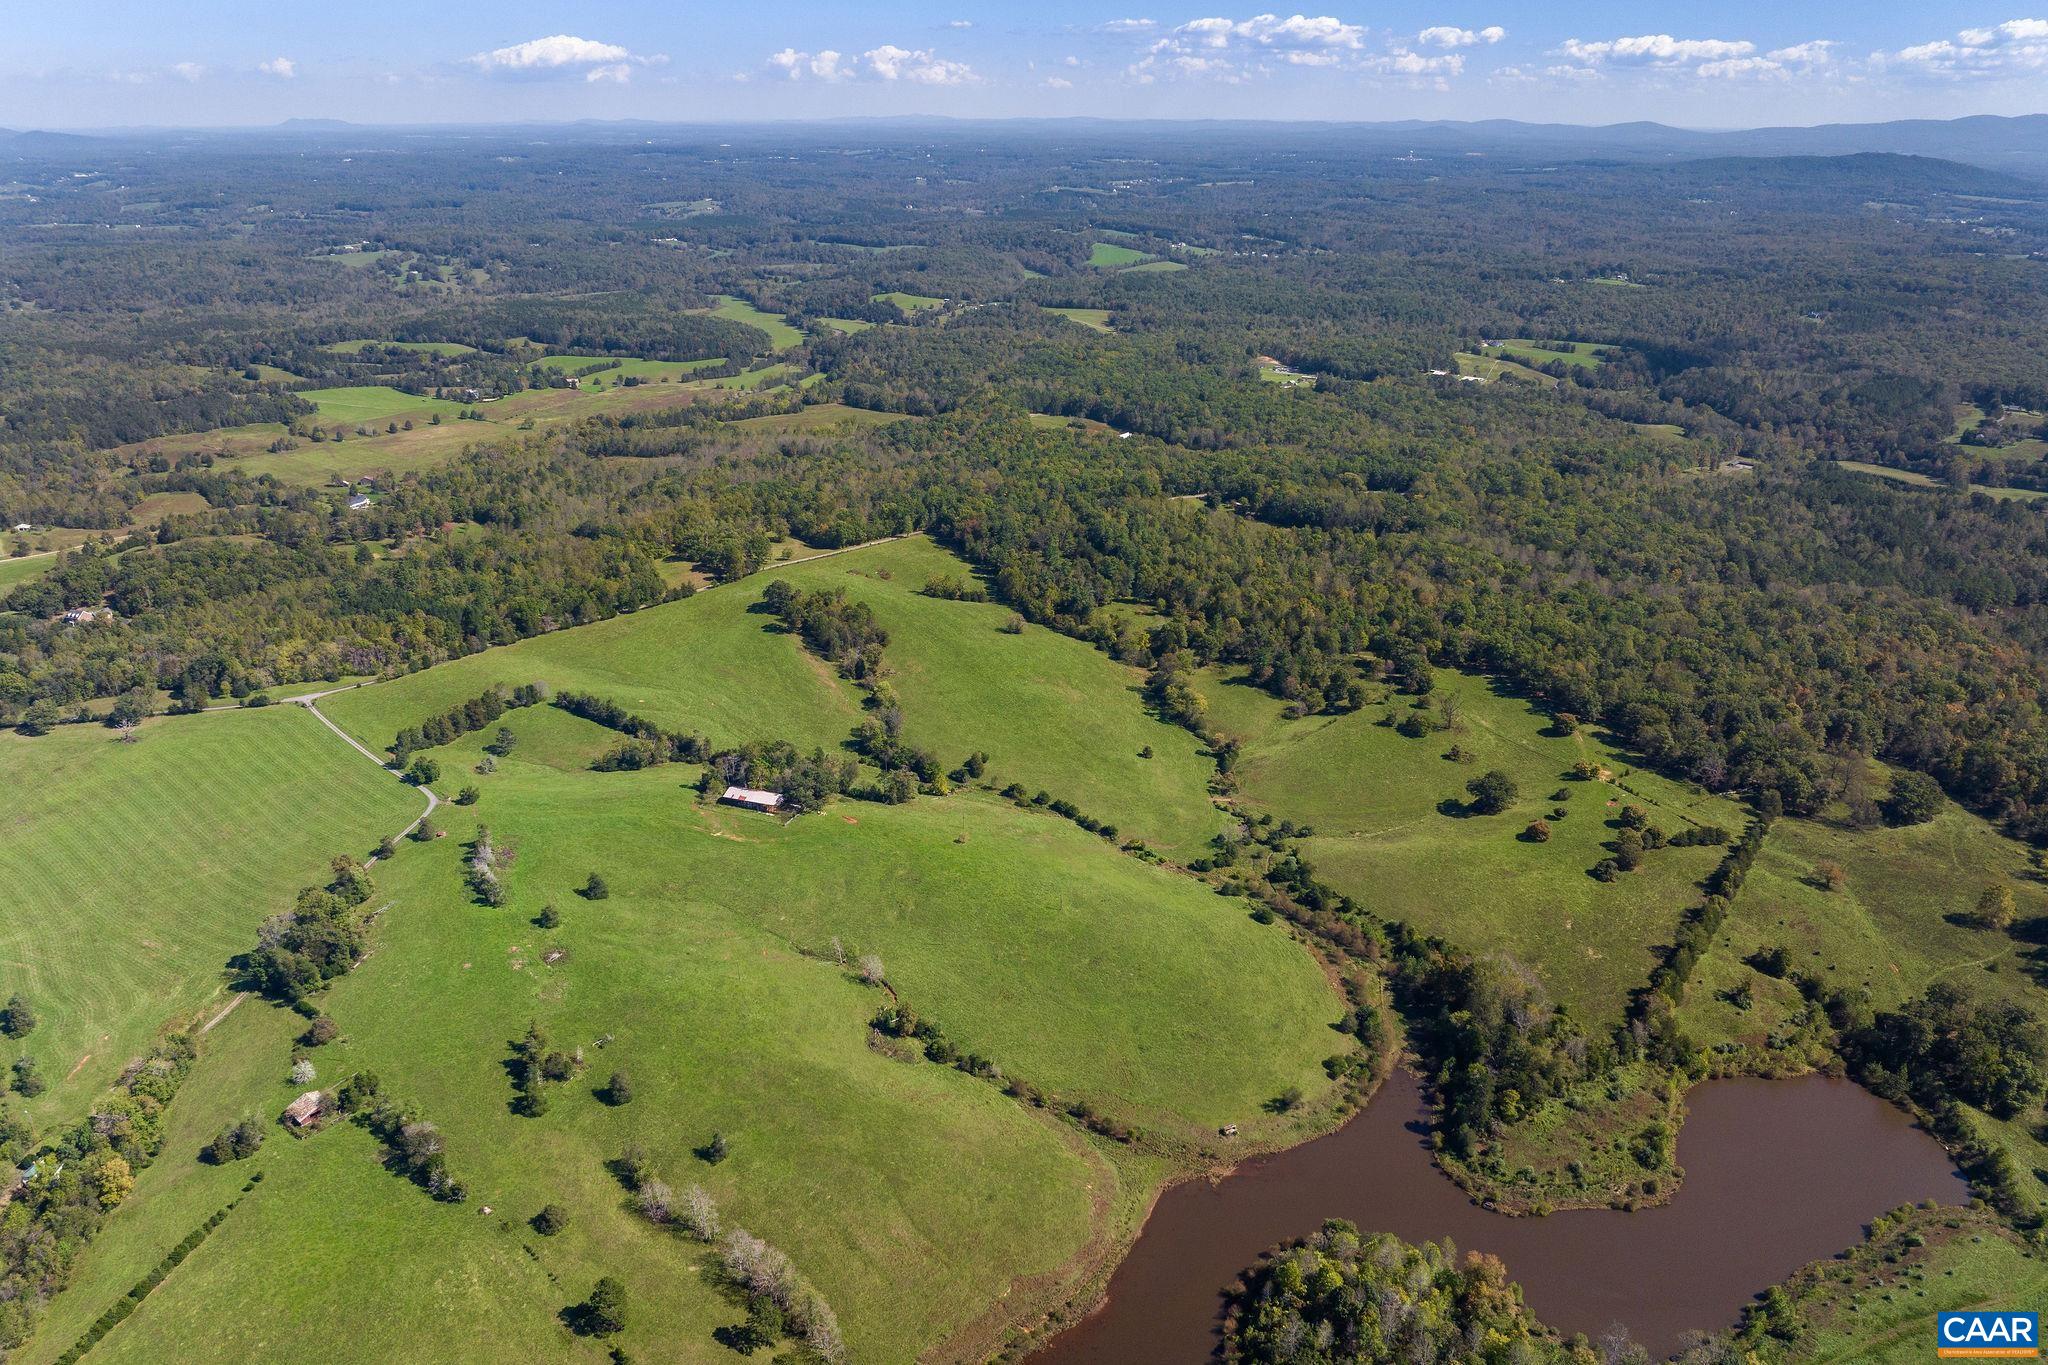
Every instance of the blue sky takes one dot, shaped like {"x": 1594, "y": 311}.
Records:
{"x": 98, "y": 63}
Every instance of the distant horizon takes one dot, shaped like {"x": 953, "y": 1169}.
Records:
{"x": 287, "y": 124}
{"x": 1784, "y": 63}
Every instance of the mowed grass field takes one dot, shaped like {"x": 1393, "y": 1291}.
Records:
{"x": 819, "y": 416}
{"x": 1050, "y": 712}
{"x": 1109, "y": 255}
{"x": 628, "y": 367}
{"x": 914, "y": 1196}
{"x": 780, "y": 334}
{"x": 1914, "y": 479}
{"x": 317, "y": 462}
{"x": 1491, "y": 368}
{"x": 909, "y": 303}
{"x": 358, "y": 345}
{"x": 705, "y": 664}
{"x": 13, "y": 571}
{"x": 1372, "y": 797}
{"x": 134, "y": 871}
{"x": 1583, "y": 355}
{"x": 376, "y": 403}
{"x": 1096, "y": 318}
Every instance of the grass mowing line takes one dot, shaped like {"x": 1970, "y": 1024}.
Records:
{"x": 1108, "y": 255}
{"x": 364, "y": 403}
{"x": 247, "y": 805}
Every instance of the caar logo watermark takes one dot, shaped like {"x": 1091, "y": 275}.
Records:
{"x": 2008, "y": 1336}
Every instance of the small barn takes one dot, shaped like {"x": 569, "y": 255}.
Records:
{"x": 752, "y": 798}
{"x": 303, "y": 1110}
{"x": 358, "y": 502}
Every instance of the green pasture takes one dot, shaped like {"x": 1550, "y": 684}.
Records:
{"x": 1097, "y": 318}
{"x": 1582, "y": 355}
{"x": 358, "y": 345}
{"x": 1050, "y": 712}
{"x": 846, "y": 326}
{"x": 22, "y": 570}
{"x": 1915, "y": 479}
{"x": 1372, "y": 797}
{"x": 1153, "y": 267}
{"x": 818, "y": 416}
{"x": 909, "y": 303}
{"x": 655, "y": 371}
{"x": 780, "y": 334}
{"x": 376, "y": 403}
{"x": 913, "y": 1196}
{"x": 1110, "y": 256}
{"x": 1490, "y": 368}
{"x": 704, "y": 664}
{"x": 134, "y": 871}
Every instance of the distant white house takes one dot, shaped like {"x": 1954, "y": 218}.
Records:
{"x": 84, "y": 616}
{"x": 358, "y": 502}
{"x": 752, "y": 799}
{"x": 23, "y": 527}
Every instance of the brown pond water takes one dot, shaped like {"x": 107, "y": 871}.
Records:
{"x": 1777, "y": 1173}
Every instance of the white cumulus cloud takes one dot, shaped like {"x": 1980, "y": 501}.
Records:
{"x": 563, "y": 55}
{"x": 1450, "y": 35}
{"x": 2015, "y": 47}
{"x": 188, "y": 71}
{"x": 284, "y": 68}
{"x": 1707, "y": 58}
{"x": 1655, "y": 49}
{"x": 915, "y": 66}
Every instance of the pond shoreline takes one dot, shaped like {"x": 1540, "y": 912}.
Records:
{"x": 1783, "y": 1172}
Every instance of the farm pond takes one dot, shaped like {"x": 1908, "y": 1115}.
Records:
{"x": 1777, "y": 1174}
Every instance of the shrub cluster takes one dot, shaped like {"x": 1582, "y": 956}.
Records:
{"x": 458, "y": 721}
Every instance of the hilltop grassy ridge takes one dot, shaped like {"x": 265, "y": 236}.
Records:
{"x": 1383, "y": 833}
{"x": 134, "y": 871}
{"x": 708, "y": 968}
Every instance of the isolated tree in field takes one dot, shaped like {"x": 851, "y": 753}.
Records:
{"x": 1492, "y": 792}
{"x": 18, "y": 1018}
{"x": 1830, "y": 875}
{"x": 27, "y": 1082}
{"x": 619, "y": 1089}
{"x": 595, "y": 889}
{"x": 604, "y": 1312}
{"x": 550, "y": 1220}
{"x": 549, "y": 917}
{"x": 1628, "y": 850}
{"x": 424, "y": 772}
{"x": 1997, "y": 908}
{"x": 302, "y": 1072}
{"x": 1538, "y": 832}
{"x": 1914, "y": 799}
{"x": 871, "y": 969}
{"x": 717, "y": 1149}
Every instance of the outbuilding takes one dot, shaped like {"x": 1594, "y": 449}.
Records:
{"x": 303, "y": 1110}
{"x": 752, "y": 798}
